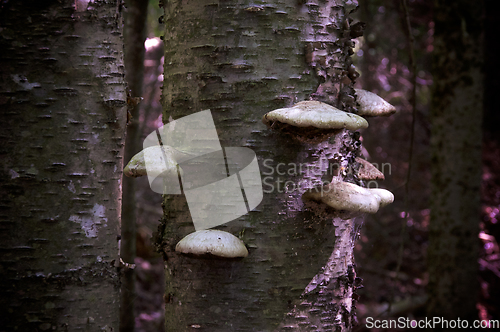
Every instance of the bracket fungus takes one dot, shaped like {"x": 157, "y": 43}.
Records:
{"x": 348, "y": 199}
{"x": 385, "y": 196}
{"x": 312, "y": 121}
{"x": 159, "y": 160}
{"x": 367, "y": 171}
{"x": 210, "y": 242}
{"x": 371, "y": 104}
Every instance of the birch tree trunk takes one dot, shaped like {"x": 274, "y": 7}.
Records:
{"x": 456, "y": 117}
{"x": 241, "y": 59}
{"x": 63, "y": 105}
{"x": 135, "y": 35}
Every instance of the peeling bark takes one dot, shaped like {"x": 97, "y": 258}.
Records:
{"x": 63, "y": 100}
{"x": 241, "y": 60}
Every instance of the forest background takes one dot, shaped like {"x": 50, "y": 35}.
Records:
{"x": 391, "y": 253}
{"x": 382, "y": 58}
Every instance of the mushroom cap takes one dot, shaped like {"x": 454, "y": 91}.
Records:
{"x": 372, "y": 105}
{"x": 154, "y": 157}
{"x": 212, "y": 242}
{"x": 367, "y": 171}
{"x": 344, "y": 196}
{"x": 315, "y": 114}
{"x": 385, "y": 197}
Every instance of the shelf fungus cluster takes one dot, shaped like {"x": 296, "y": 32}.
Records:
{"x": 161, "y": 161}
{"x": 309, "y": 122}
{"x": 313, "y": 122}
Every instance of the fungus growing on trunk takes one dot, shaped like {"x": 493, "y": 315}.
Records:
{"x": 367, "y": 171}
{"x": 348, "y": 199}
{"x": 312, "y": 121}
{"x": 385, "y": 196}
{"x": 211, "y": 242}
{"x": 372, "y": 105}
{"x": 159, "y": 160}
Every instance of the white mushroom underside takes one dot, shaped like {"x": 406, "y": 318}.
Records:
{"x": 350, "y": 197}
{"x": 316, "y": 114}
{"x": 213, "y": 242}
{"x": 154, "y": 160}
{"x": 385, "y": 196}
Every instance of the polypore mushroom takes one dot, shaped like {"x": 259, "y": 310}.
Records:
{"x": 211, "y": 242}
{"x": 367, "y": 171}
{"x": 344, "y": 196}
{"x": 159, "y": 159}
{"x": 372, "y": 105}
{"x": 349, "y": 199}
{"x": 385, "y": 196}
{"x": 312, "y": 121}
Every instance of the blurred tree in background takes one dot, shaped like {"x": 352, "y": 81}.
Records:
{"x": 456, "y": 119}
{"x": 383, "y": 59}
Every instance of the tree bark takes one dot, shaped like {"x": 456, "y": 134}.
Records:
{"x": 135, "y": 35}
{"x": 456, "y": 159}
{"x": 241, "y": 60}
{"x": 63, "y": 102}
